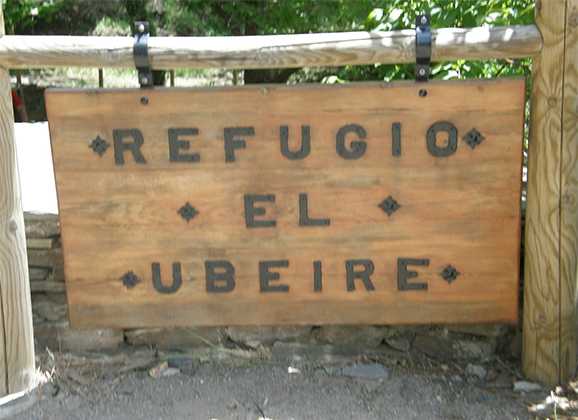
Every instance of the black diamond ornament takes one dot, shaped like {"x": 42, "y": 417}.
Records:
{"x": 99, "y": 145}
{"x": 450, "y": 274}
{"x": 188, "y": 212}
{"x": 473, "y": 138}
{"x": 389, "y": 205}
{"x": 130, "y": 279}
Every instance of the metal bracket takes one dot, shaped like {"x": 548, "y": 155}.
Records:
{"x": 423, "y": 42}
{"x": 141, "y": 54}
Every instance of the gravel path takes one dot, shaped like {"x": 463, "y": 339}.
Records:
{"x": 269, "y": 391}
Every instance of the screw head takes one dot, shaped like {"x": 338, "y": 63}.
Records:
{"x": 421, "y": 72}
{"x": 144, "y": 100}
{"x": 422, "y": 93}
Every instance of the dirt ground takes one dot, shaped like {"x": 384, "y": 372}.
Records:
{"x": 138, "y": 387}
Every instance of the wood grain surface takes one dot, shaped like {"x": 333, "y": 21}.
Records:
{"x": 549, "y": 353}
{"x": 17, "y": 371}
{"x": 569, "y": 196}
{"x": 119, "y": 215}
{"x": 270, "y": 51}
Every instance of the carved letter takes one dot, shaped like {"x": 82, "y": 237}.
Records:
{"x": 403, "y": 274}
{"x": 251, "y": 211}
{"x": 452, "y": 141}
{"x": 176, "y": 145}
{"x": 363, "y": 275}
{"x": 396, "y": 139}
{"x": 317, "y": 276}
{"x": 266, "y": 276}
{"x": 232, "y": 141}
{"x": 157, "y": 282}
{"x": 225, "y": 274}
{"x": 304, "y": 219}
{"x": 357, "y": 147}
{"x": 305, "y": 148}
{"x": 120, "y": 146}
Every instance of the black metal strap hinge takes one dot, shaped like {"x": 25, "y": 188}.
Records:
{"x": 423, "y": 41}
{"x": 141, "y": 54}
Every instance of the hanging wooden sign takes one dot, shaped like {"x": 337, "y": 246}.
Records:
{"x": 312, "y": 204}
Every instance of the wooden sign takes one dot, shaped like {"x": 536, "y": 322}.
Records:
{"x": 312, "y": 204}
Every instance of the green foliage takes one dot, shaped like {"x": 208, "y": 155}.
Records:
{"x": 254, "y": 17}
{"x": 51, "y": 17}
{"x": 20, "y": 16}
{"x": 400, "y": 14}
{"x": 112, "y": 27}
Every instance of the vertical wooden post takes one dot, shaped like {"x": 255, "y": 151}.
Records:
{"x": 549, "y": 350}
{"x": 17, "y": 371}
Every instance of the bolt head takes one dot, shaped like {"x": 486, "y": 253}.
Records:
{"x": 421, "y": 72}
{"x": 141, "y": 28}
{"x": 423, "y": 20}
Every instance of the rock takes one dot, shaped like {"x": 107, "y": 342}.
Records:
{"x": 492, "y": 375}
{"x": 365, "y": 371}
{"x": 399, "y": 343}
{"x": 58, "y": 273}
{"x": 51, "y": 258}
{"x": 175, "y": 338}
{"x": 450, "y": 348}
{"x": 53, "y": 308}
{"x": 516, "y": 345}
{"x": 40, "y": 243}
{"x": 474, "y": 350}
{"x": 481, "y": 330}
{"x": 181, "y": 362}
{"x": 38, "y": 274}
{"x": 524, "y": 386}
{"x": 41, "y": 225}
{"x": 476, "y": 370}
{"x": 77, "y": 340}
{"x": 361, "y": 336}
{"x": 59, "y": 336}
{"x": 434, "y": 346}
{"x": 299, "y": 352}
{"x": 254, "y": 336}
{"x": 170, "y": 371}
{"x": 37, "y": 286}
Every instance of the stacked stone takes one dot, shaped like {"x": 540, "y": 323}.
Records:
{"x": 48, "y": 292}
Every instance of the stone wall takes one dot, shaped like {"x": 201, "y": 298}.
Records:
{"x": 51, "y": 328}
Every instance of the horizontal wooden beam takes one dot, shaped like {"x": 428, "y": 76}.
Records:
{"x": 270, "y": 51}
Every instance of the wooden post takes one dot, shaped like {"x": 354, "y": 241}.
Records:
{"x": 551, "y": 251}
{"x": 17, "y": 370}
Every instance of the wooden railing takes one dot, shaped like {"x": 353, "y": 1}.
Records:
{"x": 270, "y": 51}
{"x": 551, "y": 245}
